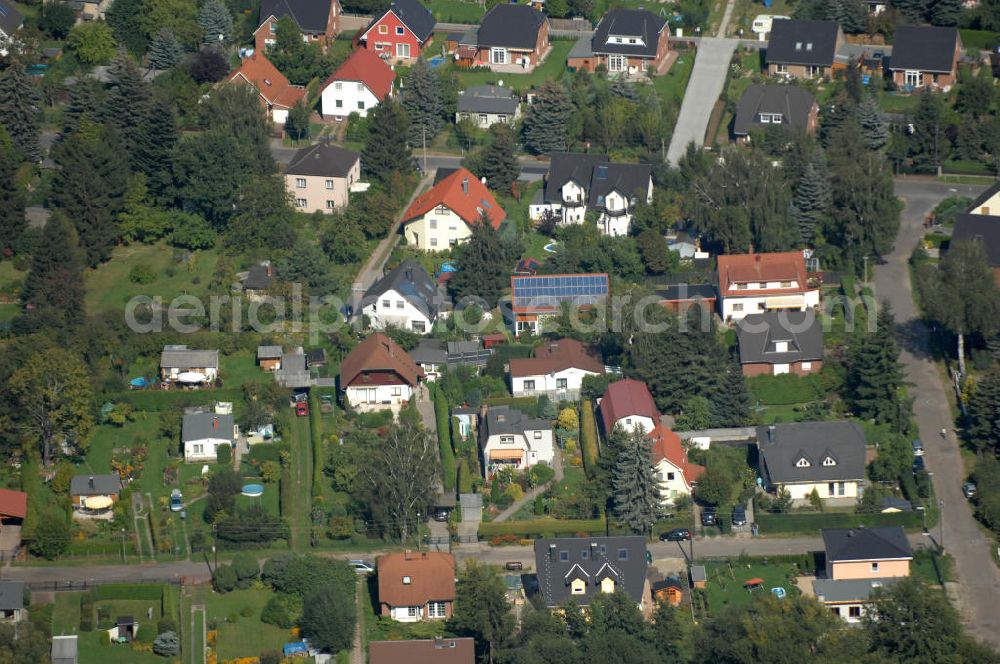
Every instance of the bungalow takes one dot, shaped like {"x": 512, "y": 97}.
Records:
{"x": 487, "y": 105}
{"x": 628, "y": 404}
{"x": 94, "y": 496}
{"x": 626, "y": 42}
{"x": 401, "y": 32}
{"x": 580, "y": 568}
{"x": 443, "y": 216}
{"x": 783, "y": 342}
{"x": 438, "y": 650}
{"x": 789, "y": 107}
{"x": 181, "y": 364}
{"x": 578, "y": 182}
{"x": 510, "y": 37}
{"x": 825, "y": 457}
{"x": 511, "y": 439}
{"x": 202, "y": 433}
{"x": 319, "y": 177}
{"x": 414, "y": 586}
{"x": 277, "y": 94}
{"x": 406, "y": 297}
{"x": 981, "y": 223}
{"x": 269, "y": 357}
{"x": 925, "y": 57}
{"x": 12, "y": 602}
{"x": 752, "y": 283}
{"x": 557, "y": 370}
{"x": 803, "y": 49}
{"x": 257, "y": 280}
{"x": 674, "y": 473}
{"x": 10, "y": 22}
{"x": 433, "y": 355}
{"x": 377, "y": 374}
{"x": 534, "y": 298}
{"x": 317, "y": 20}
{"x": 358, "y": 85}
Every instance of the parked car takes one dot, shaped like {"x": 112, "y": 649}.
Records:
{"x": 918, "y": 464}
{"x": 176, "y": 501}
{"x": 514, "y": 565}
{"x": 362, "y": 566}
{"x": 918, "y": 448}
{"x": 969, "y": 490}
{"x": 441, "y": 514}
{"x": 676, "y": 535}
{"x": 739, "y": 515}
{"x": 708, "y": 517}
{"x": 301, "y": 409}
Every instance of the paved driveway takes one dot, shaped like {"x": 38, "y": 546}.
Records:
{"x": 978, "y": 577}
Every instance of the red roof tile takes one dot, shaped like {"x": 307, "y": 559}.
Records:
{"x": 760, "y": 268}
{"x": 667, "y": 445}
{"x": 627, "y": 398}
{"x": 272, "y": 85}
{"x": 379, "y": 353}
{"x": 464, "y": 195}
{"x": 366, "y": 67}
{"x": 431, "y": 578}
{"x": 13, "y": 503}
{"x": 424, "y": 651}
{"x": 558, "y": 356}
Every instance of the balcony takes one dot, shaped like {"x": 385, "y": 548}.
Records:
{"x": 579, "y": 201}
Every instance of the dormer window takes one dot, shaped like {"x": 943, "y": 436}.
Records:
{"x": 803, "y": 463}
{"x": 809, "y": 46}
{"x": 407, "y": 580}
{"x": 564, "y": 556}
{"x": 780, "y": 346}
{"x": 829, "y": 461}
{"x": 798, "y": 46}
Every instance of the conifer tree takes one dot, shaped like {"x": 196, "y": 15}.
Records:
{"x": 12, "y": 222}
{"x": 730, "y": 407}
{"x": 422, "y": 101}
{"x": 874, "y": 374}
{"x": 387, "y": 150}
{"x": 546, "y": 122}
{"x": 945, "y": 12}
{"x": 928, "y": 143}
{"x": 85, "y": 100}
{"x": 154, "y": 153}
{"x": 19, "y": 105}
{"x": 984, "y": 412}
{"x": 53, "y": 290}
{"x": 485, "y": 262}
{"x": 499, "y": 163}
{"x": 128, "y": 104}
{"x": 872, "y": 120}
{"x": 620, "y": 87}
{"x": 811, "y": 197}
{"x": 216, "y": 23}
{"x": 635, "y": 490}
{"x": 833, "y": 115}
{"x": 165, "y": 51}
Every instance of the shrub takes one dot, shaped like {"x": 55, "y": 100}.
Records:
{"x": 246, "y": 568}
{"x": 514, "y": 492}
{"x": 141, "y": 274}
{"x": 270, "y": 657}
{"x": 167, "y": 644}
{"x": 166, "y": 624}
{"x": 278, "y": 612}
{"x": 224, "y": 454}
{"x": 246, "y": 611}
{"x": 224, "y": 578}
{"x": 540, "y": 474}
{"x": 535, "y": 528}
{"x": 588, "y": 438}
{"x": 145, "y": 634}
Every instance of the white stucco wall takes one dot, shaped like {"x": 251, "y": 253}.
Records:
{"x": 380, "y": 316}
{"x": 350, "y": 94}
{"x": 670, "y": 488}
{"x": 378, "y": 397}
{"x": 436, "y": 231}
{"x": 548, "y": 382}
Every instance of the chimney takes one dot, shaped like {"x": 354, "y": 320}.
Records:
{"x": 770, "y": 433}
{"x": 552, "y": 551}
{"x": 91, "y": 481}
{"x": 215, "y": 422}
{"x": 465, "y": 186}
{"x": 438, "y": 642}
{"x": 267, "y": 266}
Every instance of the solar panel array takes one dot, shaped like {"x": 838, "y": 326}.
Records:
{"x": 544, "y": 292}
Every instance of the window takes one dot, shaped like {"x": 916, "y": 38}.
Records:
{"x": 831, "y": 489}
{"x": 330, "y": 205}
{"x": 780, "y": 69}
{"x": 383, "y": 29}
{"x": 361, "y": 86}
{"x": 418, "y": 326}
{"x": 913, "y": 79}
{"x": 829, "y": 461}
{"x": 338, "y": 86}
{"x": 411, "y": 611}
{"x": 670, "y": 477}
{"x": 538, "y": 435}
{"x": 802, "y": 463}
{"x": 874, "y": 568}
{"x": 786, "y": 284}
{"x": 361, "y": 105}
{"x": 434, "y": 242}
{"x": 564, "y": 556}
{"x": 835, "y": 610}
{"x": 329, "y": 184}
{"x": 339, "y": 103}
{"x": 578, "y": 587}
{"x": 631, "y": 40}
{"x": 300, "y": 202}
{"x": 529, "y": 384}
{"x": 436, "y": 610}
{"x": 407, "y": 580}
{"x": 197, "y": 448}
{"x": 273, "y": 28}
{"x": 622, "y": 554}
{"x": 741, "y": 286}
{"x": 402, "y": 50}
{"x": 502, "y": 119}
{"x": 854, "y": 612}
{"x": 399, "y": 304}
{"x": 807, "y": 366}
{"x": 498, "y": 56}
{"x": 628, "y": 421}
{"x": 483, "y": 118}
{"x": 397, "y": 391}
{"x": 602, "y": 549}
{"x": 386, "y": 304}
{"x": 400, "y": 30}
{"x": 300, "y": 183}
{"x": 814, "y": 71}
{"x": 584, "y": 554}
{"x": 618, "y": 40}
{"x": 841, "y": 488}
{"x": 738, "y": 306}
{"x": 765, "y": 118}
{"x": 762, "y": 286}
{"x": 561, "y": 383}
{"x": 433, "y": 223}
{"x": 506, "y": 440}
{"x": 617, "y": 63}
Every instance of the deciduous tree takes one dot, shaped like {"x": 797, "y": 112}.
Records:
{"x": 93, "y": 42}
{"x": 481, "y": 608}
{"x": 328, "y": 618}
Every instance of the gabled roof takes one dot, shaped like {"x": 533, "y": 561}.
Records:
{"x": 620, "y": 558}
{"x": 759, "y": 335}
{"x": 95, "y": 485}
{"x": 627, "y": 398}
{"x": 801, "y": 42}
{"x": 983, "y": 197}
{"x": 13, "y": 503}
{"x": 924, "y": 48}
{"x": 429, "y": 351}
{"x": 783, "y": 446}
{"x": 269, "y": 352}
{"x": 11, "y": 595}
{"x": 488, "y": 99}
{"x": 512, "y": 26}
{"x": 270, "y": 83}
{"x": 378, "y": 353}
{"x": 980, "y": 228}
{"x": 10, "y": 19}
{"x": 323, "y": 159}
{"x": 430, "y": 576}
{"x": 667, "y": 445}
{"x": 838, "y": 591}
{"x": 687, "y": 292}
{"x": 201, "y": 426}
{"x": 462, "y": 193}
{"x": 557, "y": 356}
{"x": 364, "y": 66}
{"x": 413, "y": 15}
{"x": 569, "y": 166}
{"x": 258, "y": 277}
{"x": 423, "y": 651}
{"x": 309, "y": 15}
{"x": 793, "y": 102}
{"x": 410, "y": 280}
{"x": 762, "y": 268}
{"x": 625, "y": 179}
{"x": 879, "y": 543}
{"x": 182, "y": 357}
{"x": 502, "y": 420}
{"x": 637, "y": 23}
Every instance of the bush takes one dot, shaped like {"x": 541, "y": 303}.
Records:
{"x": 535, "y": 528}
{"x": 270, "y": 657}
{"x": 812, "y": 522}
{"x": 167, "y": 644}
{"x": 246, "y": 569}
{"x": 246, "y": 611}
{"x": 141, "y": 274}
{"x": 278, "y": 612}
{"x": 224, "y": 578}
{"x": 374, "y": 420}
{"x": 145, "y": 634}
{"x": 224, "y": 454}
{"x": 540, "y": 474}
{"x": 166, "y": 624}
{"x": 588, "y": 438}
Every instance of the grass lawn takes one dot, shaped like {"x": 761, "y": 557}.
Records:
{"x": 196, "y": 638}
{"x": 93, "y": 652}
{"x": 550, "y": 70}
{"x": 109, "y": 286}
{"x": 572, "y": 482}
{"x": 931, "y": 567}
{"x": 672, "y": 85}
{"x": 10, "y": 279}
{"x": 239, "y": 636}
{"x": 725, "y": 582}
{"x": 239, "y": 368}
{"x": 898, "y": 103}
{"x": 269, "y": 500}
{"x": 66, "y": 613}
{"x": 534, "y": 246}
{"x": 300, "y": 476}
{"x": 746, "y": 10}
{"x": 456, "y": 11}
{"x": 9, "y": 312}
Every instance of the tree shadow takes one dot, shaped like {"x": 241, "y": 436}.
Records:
{"x": 915, "y": 338}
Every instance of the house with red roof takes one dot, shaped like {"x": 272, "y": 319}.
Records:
{"x": 358, "y": 85}
{"x": 13, "y": 507}
{"x": 400, "y": 32}
{"x": 277, "y": 94}
{"x": 673, "y": 471}
{"x": 443, "y": 216}
{"x": 557, "y": 370}
{"x": 628, "y": 404}
{"x": 753, "y": 283}
{"x": 378, "y": 375}
{"x": 416, "y": 585}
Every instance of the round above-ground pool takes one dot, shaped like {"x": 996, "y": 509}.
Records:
{"x": 253, "y": 490}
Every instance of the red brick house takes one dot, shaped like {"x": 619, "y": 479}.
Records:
{"x": 416, "y": 585}
{"x": 401, "y": 32}
{"x": 277, "y": 94}
{"x": 780, "y": 342}
{"x": 317, "y": 20}
{"x": 925, "y": 57}
{"x": 509, "y": 37}
{"x": 626, "y": 41}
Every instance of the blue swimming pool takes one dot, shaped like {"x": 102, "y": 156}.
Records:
{"x": 253, "y": 490}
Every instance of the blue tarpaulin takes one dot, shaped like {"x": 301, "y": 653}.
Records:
{"x": 295, "y": 648}
{"x": 138, "y": 382}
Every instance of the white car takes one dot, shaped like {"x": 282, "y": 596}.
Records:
{"x": 362, "y": 566}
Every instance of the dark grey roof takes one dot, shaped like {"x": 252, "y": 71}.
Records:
{"x": 199, "y": 426}
{"x": 800, "y": 42}
{"x": 626, "y": 179}
{"x": 315, "y": 357}
{"x": 470, "y": 353}
{"x": 681, "y": 292}
{"x": 982, "y": 228}
{"x": 879, "y": 543}
{"x": 783, "y": 445}
{"x": 836, "y": 591}
{"x": 442, "y": 173}
{"x": 791, "y": 101}
{"x": 560, "y": 560}
{"x": 566, "y": 166}
{"x": 182, "y": 357}
{"x": 102, "y": 485}
{"x": 488, "y": 99}
{"x": 506, "y": 420}
{"x": 636, "y": 23}
{"x": 429, "y": 351}
{"x": 411, "y": 281}
{"x": 894, "y": 503}
{"x": 415, "y": 16}
{"x": 581, "y": 49}
{"x": 924, "y": 48}
{"x": 323, "y": 159}
{"x": 257, "y": 277}
{"x": 512, "y": 26}
{"x": 10, "y": 18}
{"x": 759, "y": 335}
{"x": 269, "y": 352}
{"x": 11, "y": 595}
{"x": 309, "y": 15}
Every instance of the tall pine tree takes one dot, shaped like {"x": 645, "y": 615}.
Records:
{"x": 387, "y": 150}
{"x": 19, "y": 108}
{"x": 128, "y": 104}
{"x": 165, "y": 51}
{"x": 155, "y": 152}
{"x": 12, "y": 222}
{"x": 730, "y": 407}
{"x": 85, "y": 101}
{"x": 545, "y": 123}
{"x": 422, "y": 101}
{"x": 53, "y": 291}
{"x": 635, "y": 489}
{"x": 929, "y": 142}
{"x": 498, "y": 163}
{"x": 874, "y": 374}
{"x": 984, "y": 412}
{"x": 216, "y": 23}
{"x": 874, "y": 125}
{"x": 811, "y": 197}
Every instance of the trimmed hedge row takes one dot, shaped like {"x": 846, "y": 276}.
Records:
{"x": 448, "y": 468}
{"x": 588, "y": 437}
{"x": 793, "y": 523}
{"x": 160, "y": 400}
{"x": 527, "y": 404}
{"x": 316, "y": 432}
{"x": 137, "y": 591}
{"x": 536, "y": 528}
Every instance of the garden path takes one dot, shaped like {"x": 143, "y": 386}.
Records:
{"x": 537, "y": 491}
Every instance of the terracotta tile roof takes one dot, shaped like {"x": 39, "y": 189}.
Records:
{"x": 423, "y": 651}
{"x": 272, "y": 85}
{"x": 627, "y": 398}
{"x": 365, "y": 67}
{"x": 560, "y": 355}
{"x": 379, "y": 353}
{"x": 751, "y": 268}
{"x": 431, "y": 577}
{"x": 463, "y": 194}
{"x": 667, "y": 445}
{"x": 13, "y": 503}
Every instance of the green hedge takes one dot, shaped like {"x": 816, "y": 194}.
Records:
{"x": 588, "y": 437}
{"x": 316, "y": 432}
{"x": 812, "y": 522}
{"x": 159, "y": 400}
{"x": 529, "y": 405}
{"x": 535, "y": 528}
{"x": 444, "y": 440}
{"x": 464, "y": 477}
{"x": 137, "y": 591}
{"x": 965, "y": 167}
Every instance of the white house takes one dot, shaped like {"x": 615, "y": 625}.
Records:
{"x": 179, "y": 363}
{"x": 406, "y": 297}
{"x": 754, "y": 283}
{"x": 443, "y": 216}
{"x": 557, "y": 370}
{"x": 628, "y": 404}
{"x": 674, "y": 473}
{"x": 357, "y": 86}
{"x": 509, "y": 438}
{"x": 378, "y": 375}
{"x": 202, "y": 433}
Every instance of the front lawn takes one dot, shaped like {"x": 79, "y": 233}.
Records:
{"x": 727, "y": 581}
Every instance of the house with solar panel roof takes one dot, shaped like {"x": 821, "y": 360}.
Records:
{"x": 537, "y": 297}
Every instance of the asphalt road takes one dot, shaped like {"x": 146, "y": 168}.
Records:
{"x": 978, "y": 578}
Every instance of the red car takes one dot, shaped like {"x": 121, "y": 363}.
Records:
{"x": 301, "y": 409}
